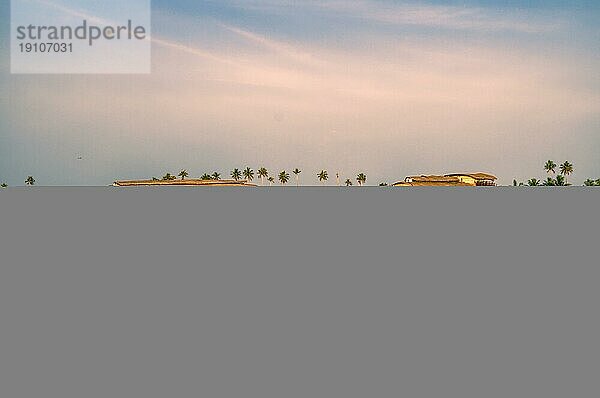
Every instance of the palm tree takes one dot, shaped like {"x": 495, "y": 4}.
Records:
{"x": 236, "y": 174}
{"x": 183, "y": 174}
{"x": 284, "y": 177}
{"x": 323, "y": 176}
{"x": 169, "y": 177}
{"x": 348, "y": 182}
{"x": 561, "y": 181}
{"x": 206, "y": 177}
{"x": 248, "y": 174}
{"x": 589, "y": 183}
{"x": 362, "y": 179}
{"x": 216, "y": 176}
{"x": 271, "y": 180}
{"x": 550, "y": 167}
{"x": 550, "y": 182}
{"x": 297, "y": 173}
{"x": 30, "y": 181}
{"x": 534, "y": 182}
{"x": 566, "y": 169}
{"x": 262, "y": 174}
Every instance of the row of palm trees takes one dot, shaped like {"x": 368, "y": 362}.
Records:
{"x": 263, "y": 174}
{"x": 554, "y": 179}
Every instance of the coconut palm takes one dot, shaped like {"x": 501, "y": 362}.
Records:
{"x": 284, "y": 177}
{"x": 550, "y": 182}
{"x": 248, "y": 174}
{"x": 362, "y": 179}
{"x": 566, "y": 169}
{"x": 169, "y": 177}
{"x": 262, "y": 174}
{"x": 297, "y": 172}
{"x": 236, "y": 174}
{"x": 183, "y": 174}
{"x": 216, "y": 176}
{"x": 550, "y": 167}
{"x": 561, "y": 181}
{"x": 534, "y": 182}
{"x": 323, "y": 176}
{"x": 348, "y": 182}
{"x": 271, "y": 180}
{"x": 30, "y": 181}
{"x": 206, "y": 177}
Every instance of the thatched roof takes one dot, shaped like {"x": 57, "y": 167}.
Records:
{"x": 430, "y": 179}
{"x": 183, "y": 183}
{"x": 448, "y": 180}
{"x": 476, "y": 176}
{"x": 432, "y": 184}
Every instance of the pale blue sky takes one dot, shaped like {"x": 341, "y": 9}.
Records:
{"x": 390, "y": 88}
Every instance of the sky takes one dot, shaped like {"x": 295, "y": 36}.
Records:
{"x": 388, "y": 88}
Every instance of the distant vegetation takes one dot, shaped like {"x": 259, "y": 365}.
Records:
{"x": 592, "y": 183}
{"x": 556, "y": 179}
{"x": 556, "y": 176}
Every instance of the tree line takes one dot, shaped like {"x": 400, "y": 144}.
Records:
{"x": 557, "y": 176}
{"x": 262, "y": 174}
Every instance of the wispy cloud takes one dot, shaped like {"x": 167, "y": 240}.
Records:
{"x": 174, "y": 45}
{"x": 154, "y": 39}
{"x": 280, "y": 47}
{"x": 451, "y": 17}
{"x": 74, "y": 12}
{"x": 414, "y": 14}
